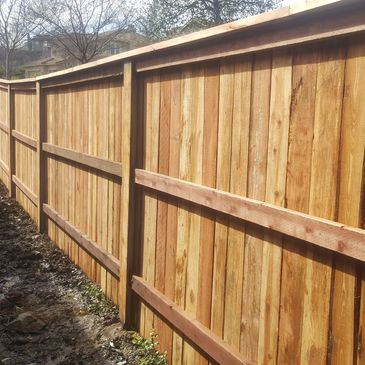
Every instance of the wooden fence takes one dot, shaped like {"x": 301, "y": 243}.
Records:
{"x": 213, "y": 185}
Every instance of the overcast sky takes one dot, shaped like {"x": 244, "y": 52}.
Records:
{"x": 289, "y": 2}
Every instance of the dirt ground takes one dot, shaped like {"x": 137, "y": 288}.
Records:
{"x": 50, "y": 313}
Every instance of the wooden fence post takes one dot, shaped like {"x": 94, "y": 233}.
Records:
{"x": 11, "y": 125}
{"x": 127, "y": 208}
{"x": 41, "y": 161}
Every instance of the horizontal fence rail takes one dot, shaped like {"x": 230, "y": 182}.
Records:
{"x": 31, "y": 142}
{"x": 191, "y": 328}
{"x": 4, "y": 128}
{"x": 32, "y": 196}
{"x": 333, "y": 236}
{"x": 107, "y": 260}
{"x": 97, "y": 163}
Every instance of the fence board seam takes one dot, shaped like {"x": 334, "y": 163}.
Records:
{"x": 29, "y": 141}
{"x": 97, "y": 163}
{"x": 328, "y": 234}
{"x": 111, "y": 263}
{"x": 192, "y": 329}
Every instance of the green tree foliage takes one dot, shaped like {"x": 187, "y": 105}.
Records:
{"x": 168, "y": 18}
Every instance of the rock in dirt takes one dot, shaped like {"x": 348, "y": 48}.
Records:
{"x": 26, "y": 323}
{"x": 4, "y": 302}
{"x": 112, "y": 332}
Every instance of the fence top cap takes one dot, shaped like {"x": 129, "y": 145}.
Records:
{"x": 281, "y": 15}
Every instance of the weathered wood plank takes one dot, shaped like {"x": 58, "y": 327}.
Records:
{"x": 256, "y": 188}
{"x": 195, "y": 246}
{"x": 297, "y": 198}
{"x": 162, "y": 206}
{"x": 225, "y": 121}
{"x": 352, "y": 148}
{"x": 97, "y": 163}
{"x": 238, "y": 185}
{"x": 192, "y": 329}
{"x": 280, "y": 101}
{"x": 183, "y": 214}
{"x": 209, "y": 171}
{"x": 323, "y": 201}
{"x": 150, "y": 201}
{"x": 172, "y": 208}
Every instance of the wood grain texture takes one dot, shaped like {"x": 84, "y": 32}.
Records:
{"x": 150, "y": 202}
{"x": 183, "y": 215}
{"x": 322, "y": 201}
{"x": 300, "y": 141}
{"x": 107, "y": 260}
{"x": 225, "y": 120}
{"x": 352, "y": 149}
{"x": 280, "y": 99}
{"x": 194, "y": 330}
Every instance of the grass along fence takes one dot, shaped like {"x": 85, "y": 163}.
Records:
{"x": 223, "y": 172}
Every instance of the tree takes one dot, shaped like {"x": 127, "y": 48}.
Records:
{"x": 15, "y": 26}
{"x": 82, "y": 29}
{"x": 167, "y": 18}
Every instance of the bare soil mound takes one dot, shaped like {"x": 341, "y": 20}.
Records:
{"x": 50, "y": 313}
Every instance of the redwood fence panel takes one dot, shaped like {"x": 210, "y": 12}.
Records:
{"x": 222, "y": 172}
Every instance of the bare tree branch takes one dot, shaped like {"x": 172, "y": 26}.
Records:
{"x": 15, "y": 26}
{"x": 79, "y": 26}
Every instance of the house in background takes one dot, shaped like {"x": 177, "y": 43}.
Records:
{"x": 44, "y": 66}
{"x": 53, "y": 58}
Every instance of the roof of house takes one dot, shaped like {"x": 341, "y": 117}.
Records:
{"x": 48, "y": 61}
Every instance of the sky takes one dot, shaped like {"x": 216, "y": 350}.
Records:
{"x": 289, "y": 2}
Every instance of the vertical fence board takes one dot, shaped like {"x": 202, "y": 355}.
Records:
{"x": 209, "y": 171}
{"x": 172, "y": 209}
{"x": 150, "y": 203}
{"x": 352, "y": 150}
{"x": 257, "y": 165}
{"x": 322, "y": 202}
{"x": 162, "y": 208}
{"x": 238, "y": 185}
{"x": 195, "y": 167}
{"x": 297, "y": 197}
{"x": 183, "y": 219}
{"x": 281, "y": 86}
{"x": 226, "y": 89}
